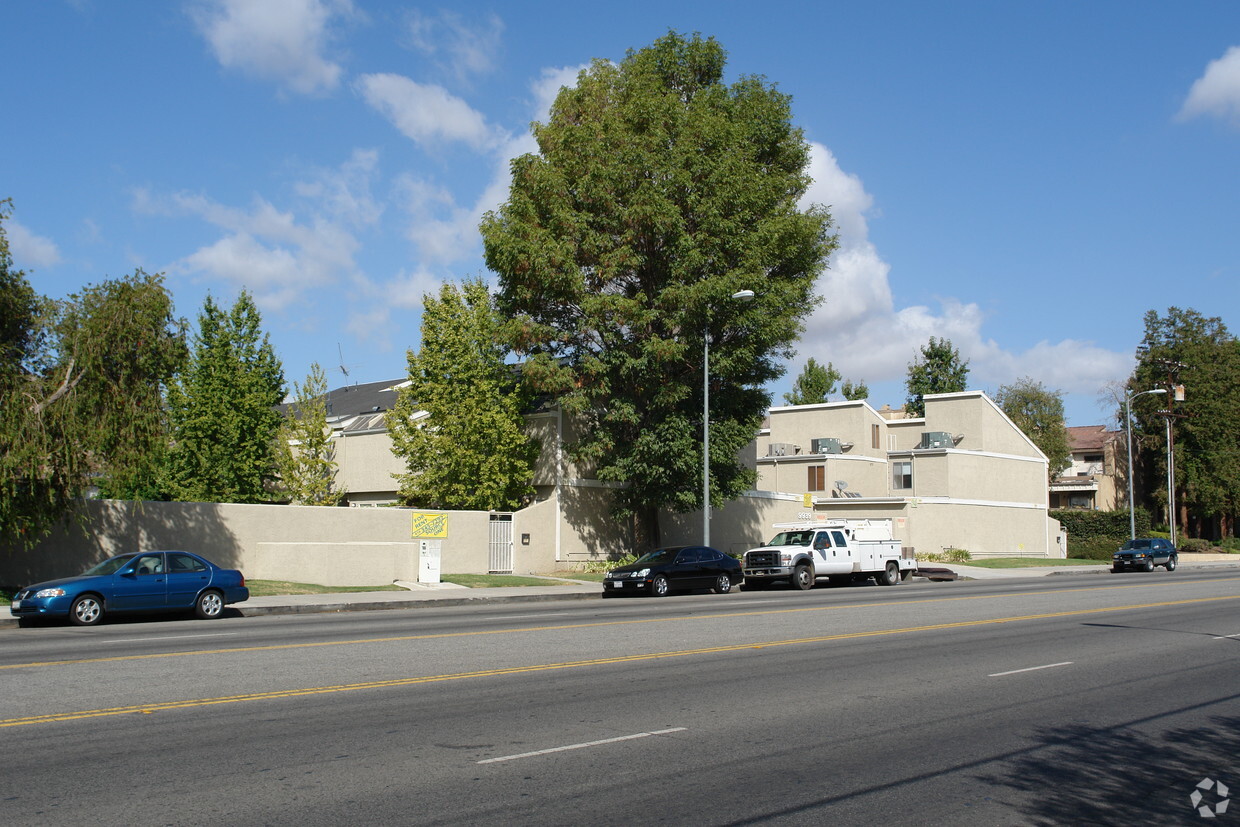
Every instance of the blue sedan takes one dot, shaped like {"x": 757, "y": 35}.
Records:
{"x": 144, "y": 581}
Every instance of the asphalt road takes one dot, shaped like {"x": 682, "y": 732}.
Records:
{"x": 1052, "y": 701}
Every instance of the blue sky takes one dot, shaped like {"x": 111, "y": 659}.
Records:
{"x": 1025, "y": 179}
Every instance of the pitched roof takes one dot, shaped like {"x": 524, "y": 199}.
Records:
{"x": 1090, "y": 437}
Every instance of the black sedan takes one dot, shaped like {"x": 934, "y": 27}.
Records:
{"x": 146, "y": 581}
{"x": 675, "y": 569}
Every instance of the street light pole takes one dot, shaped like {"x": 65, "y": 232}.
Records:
{"x": 1132, "y": 518}
{"x": 740, "y": 295}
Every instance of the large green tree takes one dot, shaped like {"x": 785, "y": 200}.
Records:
{"x": 658, "y": 192}
{"x": 458, "y": 425}
{"x": 1038, "y": 411}
{"x": 81, "y": 383}
{"x": 816, "y": 384}
{"x": 223, "y": 410}
{"x": 1186, "y": 348}
{"x": 305, "y": 451}
{"x": 938, "y": 369}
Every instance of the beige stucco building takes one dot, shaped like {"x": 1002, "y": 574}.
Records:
{"x": 963, "y": 476}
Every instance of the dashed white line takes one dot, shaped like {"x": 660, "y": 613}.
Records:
{"x": 1226, "y": 637}
{"x": 1030, "y": 669}
{"x": 582, "y": 746}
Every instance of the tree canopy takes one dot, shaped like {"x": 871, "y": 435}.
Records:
{"x": 459, "y": 425}
{"x": 658, "y": 192}
{"x": 222, "y": 410}
{"x": 305, "y": 451}
{"x": 1187, "y": 348}
{"x": 816, "y": 384}
{"x": 81, "y": 382}
{"x": 938, "y": 369}
{"x": 1038, "y": 411}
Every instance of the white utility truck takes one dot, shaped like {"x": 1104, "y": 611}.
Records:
{"x": 842, "y": 550}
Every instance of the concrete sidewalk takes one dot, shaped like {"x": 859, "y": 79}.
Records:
{"x": 446, "y": 594}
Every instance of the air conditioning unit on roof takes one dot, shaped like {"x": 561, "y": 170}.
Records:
{"x": 825, "y": 445}
{"x": 936, "y": 439}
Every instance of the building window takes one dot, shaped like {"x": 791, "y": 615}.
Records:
{"x": 902, "y": 475}
{"x": 874, "y": 436}
{"x": 817, "y": 478}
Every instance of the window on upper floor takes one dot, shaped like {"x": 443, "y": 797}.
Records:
{"x": 817, "y": 478}
{"x": 902, "y": 475}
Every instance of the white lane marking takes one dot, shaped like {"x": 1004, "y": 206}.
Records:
{"x": 582, "y": 746}
{"x": 522, "y": 617}
{"x": 166, "y": 637}
{"x": 1030, "y": 669}
{"x": 1225, "y": 637}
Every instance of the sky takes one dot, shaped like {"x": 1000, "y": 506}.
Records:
{"x": 1026, "y": 179}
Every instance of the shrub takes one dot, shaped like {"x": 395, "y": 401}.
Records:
{"x": 1098, "y": 548}
{"x": 948, "y": 555}
{"x": 602, "y": 566}
{"x": 1196, "y": 546}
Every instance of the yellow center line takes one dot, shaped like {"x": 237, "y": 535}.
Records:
{"x": 545, "y": 667}
{"x": 568, "y": 626}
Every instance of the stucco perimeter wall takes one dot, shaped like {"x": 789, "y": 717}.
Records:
{"x": 984, "y": 530}
{"x": 328, "y": 546}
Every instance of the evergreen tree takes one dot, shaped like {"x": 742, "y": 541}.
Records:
{"x": 458, "y": 425}
{"x": 814, "y": 385}
{"x": 1038, "y": 412}
{"x": 223, "y": 410}
{"x": 305, "y": 450}
{"x": 657, "y": 193}
{"x": 939, "y": 369}
{"x": 1199, "y": 352}
{"x": 853, "y": 392}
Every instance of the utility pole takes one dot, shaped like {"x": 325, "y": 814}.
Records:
{"x": 1175, "y": 393}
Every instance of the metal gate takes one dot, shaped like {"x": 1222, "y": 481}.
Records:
{"x": 501, "y": 544}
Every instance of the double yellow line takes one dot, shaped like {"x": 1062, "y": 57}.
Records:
{"x": 544, "y": 667}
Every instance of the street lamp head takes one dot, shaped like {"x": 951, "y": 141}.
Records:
{"x": 743, "y": 295}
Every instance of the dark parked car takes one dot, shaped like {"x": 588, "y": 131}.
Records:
{"x": 143, "y": 581}
{"x": 1144, "y": 554}
{"x": 674, "y": 569}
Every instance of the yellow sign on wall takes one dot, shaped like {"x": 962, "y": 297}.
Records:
{"x": 430, "y": 525}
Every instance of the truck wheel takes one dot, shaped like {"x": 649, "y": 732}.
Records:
{"x": 1149, "y": 565}
{"x": 890, "y": 575}
{"x": 803, "y": 578}
{"x": 1172, "y": 563}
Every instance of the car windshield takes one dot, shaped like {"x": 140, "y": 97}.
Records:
{"x": 110, "y": 566}
{"x": 792, "y": 538}
{"x": 1137, "y": 544}
{"x": 663, "y": 555}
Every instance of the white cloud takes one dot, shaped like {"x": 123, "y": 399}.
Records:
{"x": 425, "y": 113}
{"x": 280, "y": 40}
{"x": 860, "y": 331}
{"x": 28, "y": 249}
{"x": 461, "y": 49}
{"x": 273, "y": 253}
{"x": 1217, "y": 92}
{"x": 345, "y": 193}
